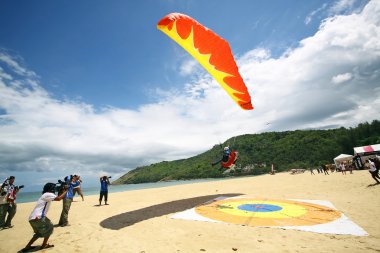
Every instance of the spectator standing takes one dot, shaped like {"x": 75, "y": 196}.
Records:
{"x": 273, "y": 171}
{"x": 343, "y": 168}
{"x": 3, "y": 203}
{"x": 10, "y": 206}
{"x": 104, "y": 182}
{"x": 71, "y": 182}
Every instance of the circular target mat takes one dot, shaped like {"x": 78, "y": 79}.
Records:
{"x": 264, "y": 212}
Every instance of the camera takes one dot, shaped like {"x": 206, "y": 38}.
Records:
{"x": 60, "y": 186}
{"x": 19, "y": 187}
{"x": 6, "y": 184}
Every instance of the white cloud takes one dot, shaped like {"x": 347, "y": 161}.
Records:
{"x": 311, "y": 15}
{"x": 4, "y": 75}
{"x": 342, "y": 6}
{"x": 341, "y": 78}
{"x": 338, "y": 7}
{"x": 294, "y": 91}
{"x": 15, "y": 66}
{"x": 188, "y": 67}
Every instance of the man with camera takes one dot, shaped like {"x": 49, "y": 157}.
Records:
{"x": 8, "y": 202}
{"x": 104, "y": 182}
{"x": 41, "y": 224}
{"x": 72, "y": 182}
{"x": 3, "y": 203}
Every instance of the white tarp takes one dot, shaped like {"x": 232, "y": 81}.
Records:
{"x": 342, "y": 225}
{"x": 342, "y": 158}
{"x": 370, "y": 149}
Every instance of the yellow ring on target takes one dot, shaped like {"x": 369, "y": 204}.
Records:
{"x": 292, "y": 213}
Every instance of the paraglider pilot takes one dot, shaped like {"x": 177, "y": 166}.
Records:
{"x": 226, "y": 156}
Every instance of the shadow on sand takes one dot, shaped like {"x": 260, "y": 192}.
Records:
{"x": 129, "y": 218}
{"x": 371, "y": 185}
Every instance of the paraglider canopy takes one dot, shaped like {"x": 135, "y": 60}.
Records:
{"x": 211, "y": 51}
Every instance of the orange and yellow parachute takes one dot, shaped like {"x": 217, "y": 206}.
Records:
{"x": 211, "y": 51}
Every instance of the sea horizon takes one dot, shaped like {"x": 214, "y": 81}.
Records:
{"x": 32, "y": 196}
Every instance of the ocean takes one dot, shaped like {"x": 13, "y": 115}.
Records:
{"x": 23, "y": 197}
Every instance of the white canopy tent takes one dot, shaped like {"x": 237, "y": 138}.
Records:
{"x": 342, "y": 158}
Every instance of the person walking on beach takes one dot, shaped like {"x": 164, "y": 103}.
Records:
{"x": 42, "y": 226}
{"x": 343, "y": 168}
{"x": 104, "y": 182}
{"x": 376, "y": 161}
{"x": 311, "y": 170}
{"x": 324, "y": 169}
{"x": 68, "y": 199}
{"x": 350, "y": 167}
{"x": 373, "y": 170}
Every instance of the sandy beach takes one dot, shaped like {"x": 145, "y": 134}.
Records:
{"x": 139, "y": 221}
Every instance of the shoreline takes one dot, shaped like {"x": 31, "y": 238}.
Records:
{"x": 148, "y": 228}
{"x": 94, "y": 190}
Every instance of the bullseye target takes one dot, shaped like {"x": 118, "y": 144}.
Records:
{"x": 264, "y": 212}
{"x": 319, "y": 216}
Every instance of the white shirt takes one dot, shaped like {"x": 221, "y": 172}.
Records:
{"x": 372, "y": 166}
{"x": 42, "y": 206}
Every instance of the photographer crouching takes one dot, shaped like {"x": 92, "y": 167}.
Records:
{"x": 8, "y": 202}
{"x": 41, "y": 224}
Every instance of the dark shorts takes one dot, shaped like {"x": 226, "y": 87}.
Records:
{"x": 103, "y": 194}
{"x": 42, "y": 227}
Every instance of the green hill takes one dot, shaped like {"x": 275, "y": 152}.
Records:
{"x": 287, "y": 150}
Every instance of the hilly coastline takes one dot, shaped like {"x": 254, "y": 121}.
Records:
{"x": 286, "y": 150}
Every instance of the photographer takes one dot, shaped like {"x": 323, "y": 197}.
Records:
{"x": 41, "y": 224}
{"x": 8, "y": 202}
{"x": 71, "y": 182}
{"x": 3, "y": 203}
{"x": 104, "y": 182}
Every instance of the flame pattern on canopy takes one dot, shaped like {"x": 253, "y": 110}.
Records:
{"x": 211, "y": 51}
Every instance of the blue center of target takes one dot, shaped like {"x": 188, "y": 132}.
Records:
{"x": 259, "y": 208}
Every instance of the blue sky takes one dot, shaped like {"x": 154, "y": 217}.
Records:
{"x": 111, "y": 53}
{"x": 92, "y": 87}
